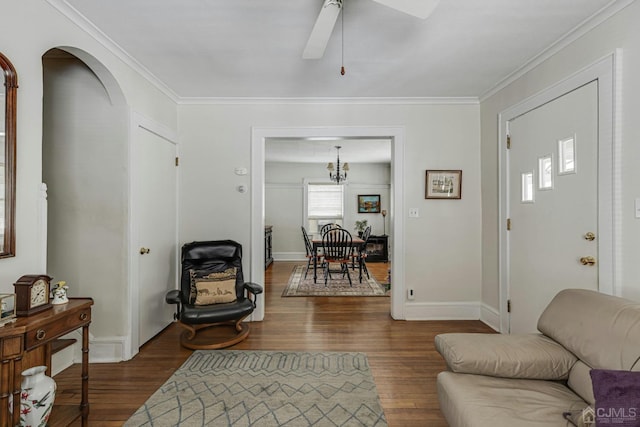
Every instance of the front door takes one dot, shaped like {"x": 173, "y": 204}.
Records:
{"x": 553, "y": 203}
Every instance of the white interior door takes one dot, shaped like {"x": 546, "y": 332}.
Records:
{"x": 553, "y": 203}
{"x": 154, "y": 192}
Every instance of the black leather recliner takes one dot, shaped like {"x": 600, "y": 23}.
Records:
{"x": 205, "y": 258}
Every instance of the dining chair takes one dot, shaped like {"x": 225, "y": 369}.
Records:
{"x": 336, "y": 249}
{"x": 310, "y": 252}
{"x": 328, "y": 227}
{"x": 362, "y": 254}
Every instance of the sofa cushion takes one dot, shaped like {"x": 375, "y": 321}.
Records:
{"x": 482, "y": 401}
{"x": 580, "y": 382}
{"x": 531, "y": 356}
{"x": 588, "y": 322}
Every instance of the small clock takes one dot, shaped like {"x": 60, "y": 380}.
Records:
{"x": 32, "y": 294}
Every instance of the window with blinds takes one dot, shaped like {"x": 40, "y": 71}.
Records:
{"x": 325, "y": 201}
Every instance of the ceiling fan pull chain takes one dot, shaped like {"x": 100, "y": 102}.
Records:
{"x": 342, "y": 71}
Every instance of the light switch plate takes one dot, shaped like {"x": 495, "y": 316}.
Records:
{"x": 414, "y": 213}
{"x": 638, "y": 208}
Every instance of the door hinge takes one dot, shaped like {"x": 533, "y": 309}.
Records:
{"x": 508, "y": 306}
{"x": 508, "y": 224}
{"x": 508, "y": 142}
{"x": 177, "y": 161}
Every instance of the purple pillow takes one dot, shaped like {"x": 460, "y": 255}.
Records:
{"x": 617, "y": 396}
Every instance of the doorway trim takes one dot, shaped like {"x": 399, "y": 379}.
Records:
{"x": 259, "y": 136}
{"x": 606, "y": 72}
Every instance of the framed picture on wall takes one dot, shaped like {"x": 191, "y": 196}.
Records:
{"x": 443, "y": 184}
{"x": 368, "y": 203}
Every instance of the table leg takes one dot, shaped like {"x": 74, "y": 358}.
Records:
{"x": 315, "y": 263}
{"x": 84, "y": 403}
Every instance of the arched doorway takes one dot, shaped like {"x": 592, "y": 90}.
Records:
{"x": 85, "y": 181}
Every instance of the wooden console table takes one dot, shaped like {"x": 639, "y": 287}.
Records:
{"x": 28, "y": 342}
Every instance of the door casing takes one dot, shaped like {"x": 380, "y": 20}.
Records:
{"x": 259, "y": 135}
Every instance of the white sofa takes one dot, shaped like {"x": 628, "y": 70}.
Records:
{"x": 542, "y": 379}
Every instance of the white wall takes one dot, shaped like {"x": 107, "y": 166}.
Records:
{"x": 620, "y": 31}
{"x": 85, "y": 166}
{"x": 31, "y": 29}
{"x": 284, "y": 199}
{"x": 442, "y": 250}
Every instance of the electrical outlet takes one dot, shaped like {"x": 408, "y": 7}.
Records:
{"x": 414, "y": 213}
{"x": 410, "y": 294}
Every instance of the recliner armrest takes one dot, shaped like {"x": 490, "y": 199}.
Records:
{"x": 527, "y": 356}
{"x": 173, "y": 296}
{"x": 254, "y": 288}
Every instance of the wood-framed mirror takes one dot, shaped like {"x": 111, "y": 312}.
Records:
{"x": 8, "y": 96}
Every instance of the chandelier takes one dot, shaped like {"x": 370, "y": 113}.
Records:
{"x": 338, "y": 176}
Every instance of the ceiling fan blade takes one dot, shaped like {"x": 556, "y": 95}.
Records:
{"x": 419, "y": 8}
{"x": 322, "y": 29}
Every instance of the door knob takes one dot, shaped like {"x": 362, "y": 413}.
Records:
{"x": 589, "y": 236}
{"x": 144, "y": 251}
{"x": 588, "y": 260}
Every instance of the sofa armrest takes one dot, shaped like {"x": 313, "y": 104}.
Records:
{"x": 527, "y": 356}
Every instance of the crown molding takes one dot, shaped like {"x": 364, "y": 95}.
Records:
{"x": 606, "y": 12}
{"x": 346, "y": 101}
{"x": 87, "y": 26}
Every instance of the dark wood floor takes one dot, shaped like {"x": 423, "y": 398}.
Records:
{"x": 401, "y": 354}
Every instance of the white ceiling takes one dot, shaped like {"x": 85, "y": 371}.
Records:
{"x": 253, "y": 48}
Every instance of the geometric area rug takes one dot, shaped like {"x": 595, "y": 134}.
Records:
{"x": 298, "y": 286}
{"x": 266, "y": 389}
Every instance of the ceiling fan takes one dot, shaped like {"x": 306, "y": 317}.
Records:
{"x": 328, "y": 16}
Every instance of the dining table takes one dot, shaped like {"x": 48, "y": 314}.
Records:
{"x": 316, "y": 242}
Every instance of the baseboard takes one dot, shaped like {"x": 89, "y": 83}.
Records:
{"x": 490, "y": 316}
{"x": 290, "y": 256}
{"x": 442, "y": 311}
{"x": 106, "y": 350}
{"x": 101, "y": 350}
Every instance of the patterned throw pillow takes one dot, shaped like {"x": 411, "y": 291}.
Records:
{"x": 617, "y": 396}
{"x": 214, "y": 288}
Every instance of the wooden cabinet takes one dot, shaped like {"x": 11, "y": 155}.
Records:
{"x": 268, "y": 245}
{"x": 28, "y": 342}
{"x": 378, "y": 249}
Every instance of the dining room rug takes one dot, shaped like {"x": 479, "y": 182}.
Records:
{"x": 298, "y": 286}
{"x": 265, "y": 389}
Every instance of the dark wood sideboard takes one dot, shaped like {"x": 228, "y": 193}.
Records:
{"x": 29, "y": 342}
{"x": 378, "y": 249}
{"x": 268, "y": 245}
